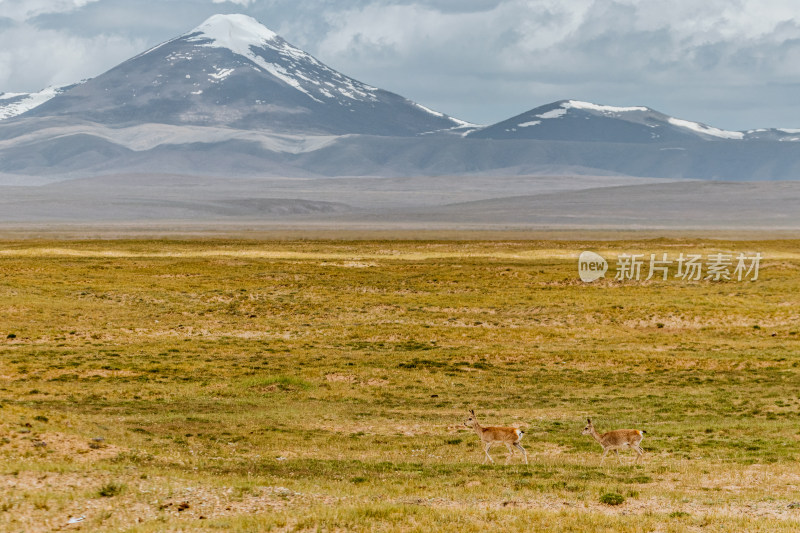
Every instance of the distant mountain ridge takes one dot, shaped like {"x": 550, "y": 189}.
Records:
{"x": 572, "y": 120}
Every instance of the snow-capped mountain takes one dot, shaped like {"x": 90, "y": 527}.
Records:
{"x": 232, "y": 99}
{"x": 13, "y": 104}
{"x": 231, "y": 71}
{"x": 572, "y": 120}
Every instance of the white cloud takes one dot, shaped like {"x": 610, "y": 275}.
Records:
{"x": 244, "y": 3}
{"x": 21, "y": 10}
{"x": 60, "y": 58}
{"x": 516, "y": 32}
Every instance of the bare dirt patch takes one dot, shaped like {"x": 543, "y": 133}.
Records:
{"x": 60, "y": 446}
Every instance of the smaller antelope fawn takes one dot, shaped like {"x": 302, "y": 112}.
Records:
{"x": 616, "y": 440}
{"x": 489, "y": 435}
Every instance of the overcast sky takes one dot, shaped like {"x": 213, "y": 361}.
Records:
{"x": 733, "y": 64}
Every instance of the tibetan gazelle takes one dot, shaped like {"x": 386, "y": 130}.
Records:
{"x": 616, "y": 440}
{"x": 489, "y": 435}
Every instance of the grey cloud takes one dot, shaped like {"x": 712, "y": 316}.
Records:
{"x": 458, "y": 6}
{"x": 149, "y": 19}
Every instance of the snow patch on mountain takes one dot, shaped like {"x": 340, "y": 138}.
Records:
{"x": 554, "y": 113}
{"x": 220, "y": 74}
{"x": 13, "y": 104}
{"x": 460, "y": 124}
{"x": 428, "y": 110}
{"x": 235, "y": 32}
{"x": 577, "y": 104}
{"x": 706, "y": 130}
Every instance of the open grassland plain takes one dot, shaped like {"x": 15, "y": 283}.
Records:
{"x": 159, "y": 385}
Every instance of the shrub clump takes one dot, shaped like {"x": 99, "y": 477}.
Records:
{"x": 612, "y": 498}
{"x": 111, "y": 489}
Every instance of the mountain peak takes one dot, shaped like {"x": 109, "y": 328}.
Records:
{"x": 232, "y": 71}
{"x": 577, "y": 104}
{"x": 247, "y": 37}
{"x": 236, "y": 32}
{"x": 574, "y": 120}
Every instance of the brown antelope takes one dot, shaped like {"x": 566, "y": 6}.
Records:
{"x": 489, "y": 435}
{"x": 616, "y": 440}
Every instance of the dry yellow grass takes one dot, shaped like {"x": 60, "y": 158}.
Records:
{"x": 322, "y": 385}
